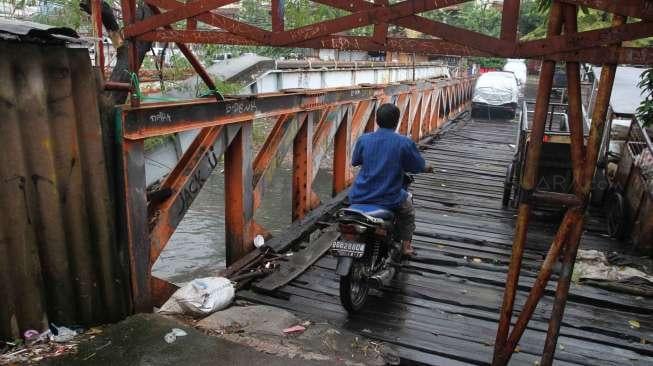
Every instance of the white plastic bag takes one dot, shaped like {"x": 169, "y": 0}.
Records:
{"x": 201, "y": 296}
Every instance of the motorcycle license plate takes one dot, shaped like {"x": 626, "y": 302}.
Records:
{"x": 345, "y": 248}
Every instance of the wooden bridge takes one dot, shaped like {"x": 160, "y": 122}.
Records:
{"x": 458, "y": 215}
{"x": 443, "y": 308}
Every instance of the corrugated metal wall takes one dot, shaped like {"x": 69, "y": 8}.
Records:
{"x": 58, "y": 257}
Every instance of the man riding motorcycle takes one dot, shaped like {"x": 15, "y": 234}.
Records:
{"x": 384, "y": 157}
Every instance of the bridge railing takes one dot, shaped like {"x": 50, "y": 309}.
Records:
{"x": 307, "y": 123}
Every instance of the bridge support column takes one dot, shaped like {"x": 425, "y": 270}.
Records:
{"x": 342, "y": 154}
{"x": 239, "y": 195}
{"x": 136, "y": 231}
{"x": 302, "y": 159}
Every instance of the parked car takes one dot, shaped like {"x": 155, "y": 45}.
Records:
{"x": 517, "y": 67}
{"x": 495, "y": 94}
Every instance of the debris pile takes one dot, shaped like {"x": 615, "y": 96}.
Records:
{"x": 38, "y": 346}
{"x": 615, "y": 271}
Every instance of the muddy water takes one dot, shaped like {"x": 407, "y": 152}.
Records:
{"x": 197, "y": 247}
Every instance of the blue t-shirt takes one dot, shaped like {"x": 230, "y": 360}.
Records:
{"x": 384, "y": 155}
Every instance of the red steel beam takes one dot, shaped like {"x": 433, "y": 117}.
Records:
{"x": 510, "y": 20}
{"x": 587, "y": 39}
{"x": 629, "y": 55}
{"x": 184, "y": 183}
{"x": 302, "y": 174}
{"x": 164, "y": 118}
{"x": 241, "y": 29}
{"x": 341, "y": 154}
{"x": 167, "y": 18}
{"x": 381, "y": 29}
{"x": 528, "y": 184}
{"x": 277, "y": 9}
{"x": 450, "y": 33}
{"x": 364, "y": 16}
{"x": 185, "y": 50}
{"x": 239, "y": 201}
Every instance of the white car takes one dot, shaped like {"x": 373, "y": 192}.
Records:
{"x": 496, "y": 93}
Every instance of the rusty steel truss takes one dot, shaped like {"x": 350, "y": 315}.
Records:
{"x": 307, "y": 121}
{"x": 307, "y": 124}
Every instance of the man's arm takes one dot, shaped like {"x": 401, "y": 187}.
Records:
{"x": 357, "y": 156}
{"x": 412, "y": 160}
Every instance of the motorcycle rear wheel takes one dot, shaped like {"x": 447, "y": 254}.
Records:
{"x": 353, "y": 288}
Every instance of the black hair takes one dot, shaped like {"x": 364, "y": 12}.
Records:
{"x": 387, "y": 116}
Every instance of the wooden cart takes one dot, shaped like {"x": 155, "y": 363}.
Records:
{"x": 555, "y": 170}
{"x": 629, "y": 205}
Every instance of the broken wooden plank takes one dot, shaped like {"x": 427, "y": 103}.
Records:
{"x": 298, "y": 263}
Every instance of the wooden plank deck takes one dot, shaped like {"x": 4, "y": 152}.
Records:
{"x": 443, "y": 308}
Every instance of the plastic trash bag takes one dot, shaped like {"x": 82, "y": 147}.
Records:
{"x": 174, "y": 333}
{"x": 201, "y": 297}
{"x": 63, "y": 335}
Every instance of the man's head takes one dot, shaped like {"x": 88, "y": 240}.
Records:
{"x": 387, "y": 116}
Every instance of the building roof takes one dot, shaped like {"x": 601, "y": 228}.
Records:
{"x": 25, "y": 31}
{"x": 626, "y": 95}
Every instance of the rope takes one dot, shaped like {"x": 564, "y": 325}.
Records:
{"x": 137, "y": 90}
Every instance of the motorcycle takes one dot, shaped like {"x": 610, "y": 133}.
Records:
{"x": 367, "y": 253}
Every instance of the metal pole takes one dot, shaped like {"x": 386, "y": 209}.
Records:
{"x": 528, "y": 184}
{"x": 278, "y": 22}
{"x": 593, "y": 146}
{"x": 96, "y": 10}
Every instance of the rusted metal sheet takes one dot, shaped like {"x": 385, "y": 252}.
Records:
{"x": 58, "y": 253}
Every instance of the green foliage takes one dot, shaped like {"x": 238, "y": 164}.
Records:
{"x": 222, "y": 87}
{"x": 489, "y": 62}
{"x": 645, "y": 110}
{"x": 152, "y": 142}
{"x": 531, "y": 16}
{"x": 61, "y": 13}
{"x": 475, "y": 16}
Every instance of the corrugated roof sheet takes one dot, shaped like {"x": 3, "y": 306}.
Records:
{"x": 626, "y": 96}
{"x": 58, "y": 256}
{"x": 11, "y": 29}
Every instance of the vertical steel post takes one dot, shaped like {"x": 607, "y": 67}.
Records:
{"x": 380, "y": 29}
{"x": 575, "y": 110}
{"x": 136, "y": 228}
{"x": 96, "y": 10}
{"x": 528, "y": 184}
{"x": 278, "y": 22}
{"x": 129, "y": 17}
{"x": 371, "y": 122}
{"x": 239, "y": 196}
{"x": 509, "y": 20}
{"x": 302, "y": 174}
{"x": 415, "y": 126}
{"x": 341, "y": 153}
{"x": 585, "y": 175}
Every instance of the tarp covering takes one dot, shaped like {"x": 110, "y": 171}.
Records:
{"x": 496, "y": 88}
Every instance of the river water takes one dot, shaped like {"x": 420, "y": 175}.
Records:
{"x": 197, "y": 248}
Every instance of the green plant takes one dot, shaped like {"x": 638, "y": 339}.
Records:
{"x": 645, "y": 110}
{"x": 152, "y": 142}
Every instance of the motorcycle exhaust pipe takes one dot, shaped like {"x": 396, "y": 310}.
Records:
{"x": 382, "y": 278}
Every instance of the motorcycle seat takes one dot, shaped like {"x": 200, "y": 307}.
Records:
{"x": 371, "y": 211}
